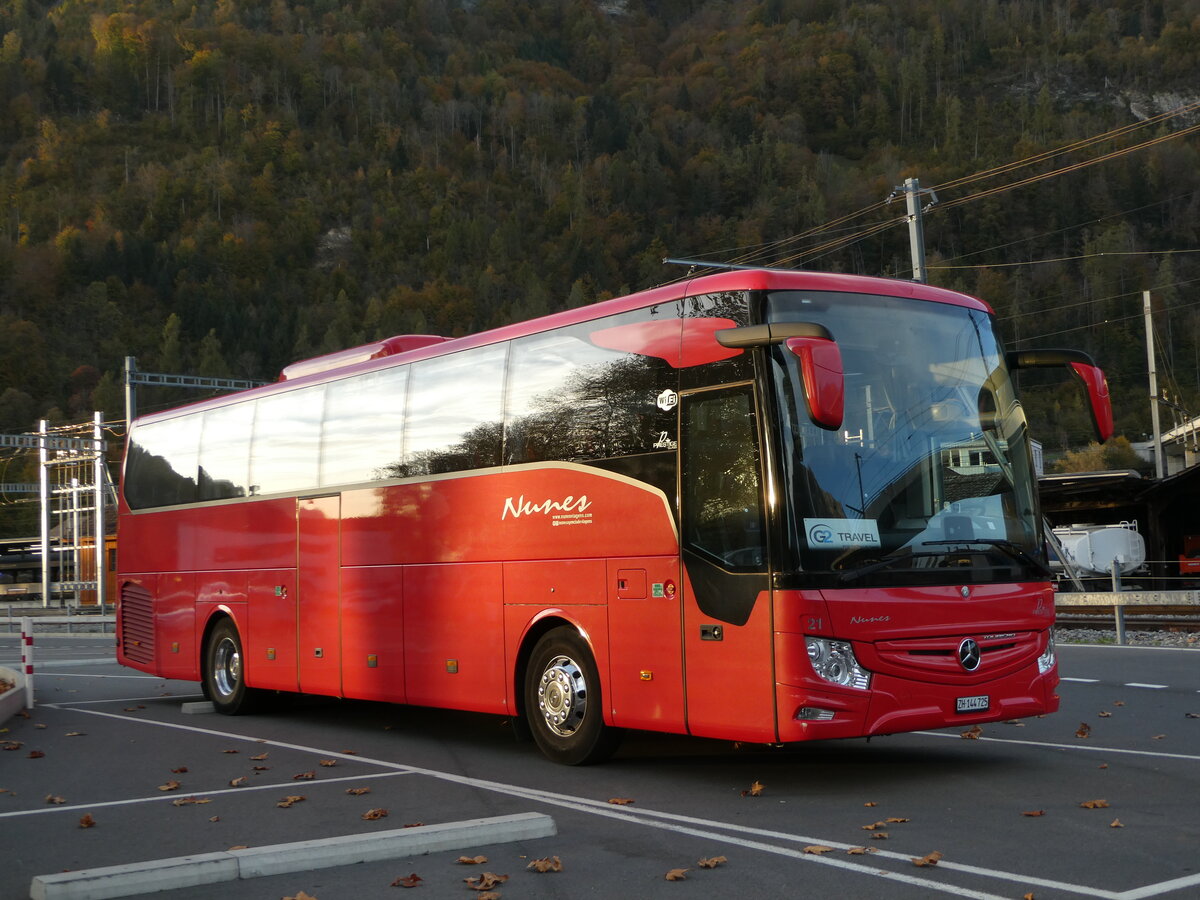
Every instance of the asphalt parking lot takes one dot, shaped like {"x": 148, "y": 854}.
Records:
{"x": 1046, "y": 807}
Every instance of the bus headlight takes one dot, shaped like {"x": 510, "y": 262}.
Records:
{"x": 1046, "y": 660}
{"x": 834, "y": 661}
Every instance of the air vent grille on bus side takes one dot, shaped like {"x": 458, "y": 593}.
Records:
{"x": 137, "y": 623}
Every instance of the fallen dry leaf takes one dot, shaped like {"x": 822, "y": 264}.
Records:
{"x": 238, "y": 782}
{"x": 289, "y": 802}
{"x": 860, "y": 851}
{"x": 260, "y": 757}
{"x": 76, "y": 734}
{"x": 214, "y": 818}
{"x": 182, "y": 770}
{"x": 51, "y": 798}
{"x": 1034, "y": 813}
{"x": 1158, "y": 737}
{"x": 486, "y": 881}
{"x": 879, "y": 836}
{"x": 247, "y": 847}
{"x": 10, "y": 745}
{"x": 894, "y": 820}
{"x": 87, "y": 821}
{"x": 412, "y": 880}
{"x": 488, "y": 895}
{"x": 231, "y": 751}
{"x": 329, "y": 763}
{"x": 304, "y": 776}
{"x": 972, "y": 733}
{"x": 169, "y": 786}
{"x": 371, "y": 814}
{"x": 930, "y": 859}
{"x": 1115, "y": 823}
{"x": 818, "y": 849}
{"x": 1028, "y": 896}
{"x": 1102, "y": 766}
{"x": 873, "y": 826}
{"x": 1094, "y": 804}
{"x": 472, "y": 860}
{"x": 1191, "y": 715}
{"x": 756, "y": 790}
{"x": 1084, "y": 730}
{"x": 262, "y": 768}
{"x": 676, "y": 875}
{"x": 1118, "y": 703}
{"x": 35, "y": 754}
{"x": 546, "y": 864}
{"x": 711, "y": 862}
{"x": 357, "y": 792}
{"x": 413, "y": 825}
{"x": 870, "y": 803}
{"x": 190, "y": 801}
{"x": 299, "y": 896}
{"x": 1105, "y": 714}
{"x": 621, "y": 801}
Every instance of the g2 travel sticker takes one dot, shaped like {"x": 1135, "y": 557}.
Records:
{"x": 836, "y": 534}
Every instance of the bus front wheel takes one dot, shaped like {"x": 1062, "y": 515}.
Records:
{"x": 563, "y": 703}
{"x": 224, "y": 672}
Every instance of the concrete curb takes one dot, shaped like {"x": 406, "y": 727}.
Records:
{"x": 11, "y": 702}
{"x": 280, "y": 859}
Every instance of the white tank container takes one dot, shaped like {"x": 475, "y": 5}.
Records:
{"x": 1092, "y": 548}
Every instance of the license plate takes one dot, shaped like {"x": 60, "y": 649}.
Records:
{"x": 972, "y": 704}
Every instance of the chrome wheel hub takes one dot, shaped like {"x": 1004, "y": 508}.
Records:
{"x": 562, "y": 696}
{"x": 227, "y": 667}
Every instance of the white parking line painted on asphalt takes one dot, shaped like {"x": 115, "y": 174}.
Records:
{"x": 713, "y": 830}
{"x": 1153, "y": 687}
{"x": 309, "y": 785}
{"x": 1087, "y": 748}
{"x": 1082, "y": 680}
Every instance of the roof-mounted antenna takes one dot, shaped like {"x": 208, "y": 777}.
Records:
{"x": 705, "y": 264}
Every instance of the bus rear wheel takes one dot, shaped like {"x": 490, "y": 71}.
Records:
{"x": 224, "y": 672}
{"x": 563, "y": 704}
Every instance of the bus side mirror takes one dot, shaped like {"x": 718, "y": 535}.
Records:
{"x": 1101, "y": 403}
{"x": 820, "y": 363}
{"x": 1085, "y": 369}
{"x": 824, "y": 379}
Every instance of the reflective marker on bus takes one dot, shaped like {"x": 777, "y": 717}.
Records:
{"x": 761, "y": 505}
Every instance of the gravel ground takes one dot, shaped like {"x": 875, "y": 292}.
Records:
{"x": 1133, "y": 638}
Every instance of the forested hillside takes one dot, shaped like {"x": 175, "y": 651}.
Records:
{"x": 224, "y": 187}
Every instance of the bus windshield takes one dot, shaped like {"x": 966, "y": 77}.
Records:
{"x": 929, "y": 480}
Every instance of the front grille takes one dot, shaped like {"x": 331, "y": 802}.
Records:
{"x": 137, "y": 623}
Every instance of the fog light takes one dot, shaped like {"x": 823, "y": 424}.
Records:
{"x": 834, "y": 661}
{"x": 1046, "y": 660}
{"x": 813, "y": 714}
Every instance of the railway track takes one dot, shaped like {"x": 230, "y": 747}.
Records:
{"x": 1185, "y": 621}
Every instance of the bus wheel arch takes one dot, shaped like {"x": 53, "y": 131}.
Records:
{"x": 561, "y": 696}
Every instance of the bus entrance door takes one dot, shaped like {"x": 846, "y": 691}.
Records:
{"x": 727, "y": 632}
{"x": 318, "y": 575}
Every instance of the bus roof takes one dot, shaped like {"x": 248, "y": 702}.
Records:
{"x": 414, "y": 347}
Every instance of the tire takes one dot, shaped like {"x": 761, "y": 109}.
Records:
{"x": 224, "y": 672}
{"x": 563, "y": 704}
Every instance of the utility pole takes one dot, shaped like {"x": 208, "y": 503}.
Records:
{"x": 916, "y": 227}
{"x": 1156, "y": 437}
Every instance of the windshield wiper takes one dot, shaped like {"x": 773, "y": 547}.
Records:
{"x": 904, "y": 553}
{"x": 1014, "y": 550}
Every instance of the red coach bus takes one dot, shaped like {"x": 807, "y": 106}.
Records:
{"x": 760, "y": 505}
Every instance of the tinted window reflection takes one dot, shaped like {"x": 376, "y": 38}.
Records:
{"x": 285, "y": 452}
{"x": 594, "y": 391}
{"x": 162, "y": 463}
{"x": 364, "y": 426}
{"x": 455, "y": 413}
{"x": 225, "y": 452}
